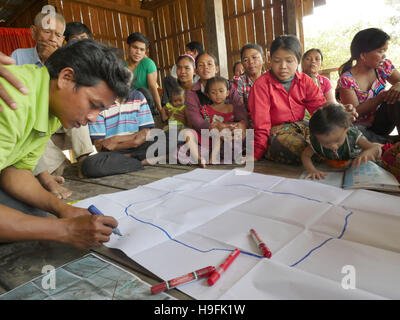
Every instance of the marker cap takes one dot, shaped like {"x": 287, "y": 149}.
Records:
{"x": 213, "y": 278}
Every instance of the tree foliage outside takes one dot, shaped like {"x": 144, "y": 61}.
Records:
{"x": 335, "y": 43}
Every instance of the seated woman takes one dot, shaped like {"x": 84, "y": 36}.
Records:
{"x": 217, "y": 89}
{"x": 311, "y": 64}
{"x": 363, "y": 85}
{"x": 207, "y": 68}
{"x": 185, "y": 72}
{"x": 253, "y": 60}
{"x": 277, "y": 104}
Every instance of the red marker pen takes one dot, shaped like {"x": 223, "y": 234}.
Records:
{"x": 198, "y": 274}
{"x": 222, "y": 268}
{"x": 265, "y": 251}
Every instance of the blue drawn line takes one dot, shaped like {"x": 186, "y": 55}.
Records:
{"x": 345, "y": 225}
{"x": 229, "y": 250}
{"x": 306, "y": 256}
{"x": 182, "y": 243}
{"x": 323, "y": 243}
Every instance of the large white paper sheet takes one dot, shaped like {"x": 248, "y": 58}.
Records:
{"x": 190, "y": 221}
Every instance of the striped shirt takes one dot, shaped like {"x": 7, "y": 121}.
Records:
{"x": 123, "y": 119}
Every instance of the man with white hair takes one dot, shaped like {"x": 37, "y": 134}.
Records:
{"x": 49, "y": 36}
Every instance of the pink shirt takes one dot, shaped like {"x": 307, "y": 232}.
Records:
{"x": 193, "y": 107}
{"x": 325, "y": 84}
{"x": 347, "y": 81}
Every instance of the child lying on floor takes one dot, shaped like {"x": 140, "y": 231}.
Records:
{"x": 333, "y": 138}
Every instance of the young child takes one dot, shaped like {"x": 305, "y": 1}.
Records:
{"x": 333, "y": 138}
{"x": 176, "y": 104}
{"x": 217, "y": 89}
{"x": 238, "y": 69}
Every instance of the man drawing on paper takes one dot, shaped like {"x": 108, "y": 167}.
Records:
{"x": 78, "y": 81}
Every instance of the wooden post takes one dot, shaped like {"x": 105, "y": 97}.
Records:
{"x": 215, "y": 31}
{"x": 293, "y": 25}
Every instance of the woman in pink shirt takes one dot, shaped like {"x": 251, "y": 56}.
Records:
{"x": 311, "y": 65}
{"x": 364, "y": 85}
{"x": 207, "y": 68}
{"x": 278, "y": 101}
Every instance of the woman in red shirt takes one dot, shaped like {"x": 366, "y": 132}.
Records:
{"x": 277, "y": 104}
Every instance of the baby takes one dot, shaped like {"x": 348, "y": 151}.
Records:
{"x": 333, "y": 138}
{"x": 176, "y": 104}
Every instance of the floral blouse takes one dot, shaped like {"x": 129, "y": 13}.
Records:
{"x": 347, "y": 81}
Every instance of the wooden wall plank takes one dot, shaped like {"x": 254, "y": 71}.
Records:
{"x": 278, "y": 19}
{"x": 242, "y": 30}
{"x": 76, "y": 11}
{"x": 269, "y": 23}
{"x": 174, "y": 32}
{"x": 103, "y": 25}
{"x": 85, "y": 19}
{"x": 260, "y": 29}
{"x": 308, "y": 7}
{"x": 95, "y": 28}
{"x": 118, "y": 31}
{"x": 190, "y": 15}
{"x": 67, "y": 11}
{"x": 240, "y": 6}
{"x": 250, "y": 28}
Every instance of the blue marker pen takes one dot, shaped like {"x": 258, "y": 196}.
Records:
{"x": 93, "y": 210}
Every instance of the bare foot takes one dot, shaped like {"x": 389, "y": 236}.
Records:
{"x": 53, "y": 184}
{"x": 202, "y": 163}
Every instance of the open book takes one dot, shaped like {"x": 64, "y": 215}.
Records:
{"x": 366, "y": 176}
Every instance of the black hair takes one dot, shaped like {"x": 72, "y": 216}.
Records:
{"x": 289, "y": 43}
{"x": 215, "y": 80}
{"x": 251, "y": 46}
{"x": 364, "y": 41}
{"x": 235, "y": 64}
{"x": 177, "y": 91}
{"x": 75, "y": 28}
{"x": 185, "y": 56}
{"x": 328, "y": 118}
{"x": 208, "y": 53}
{"x": 195, "y": 45}
{"x": 92, "y": 62}
{"x": 137, "y": 36}
{"x": 311, "y": 50}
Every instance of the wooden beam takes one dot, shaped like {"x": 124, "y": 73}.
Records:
{"x": 21, "y": 10}
{"x": 308, "y": 7}
{"x": 215, "y": 33}
{"x": 319, "y": 3}
{"x": 9, "y": 6}
{"x": 152, "y": 5}
{"x": 109, "y": 5}
{"x": 293, "y": 23}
